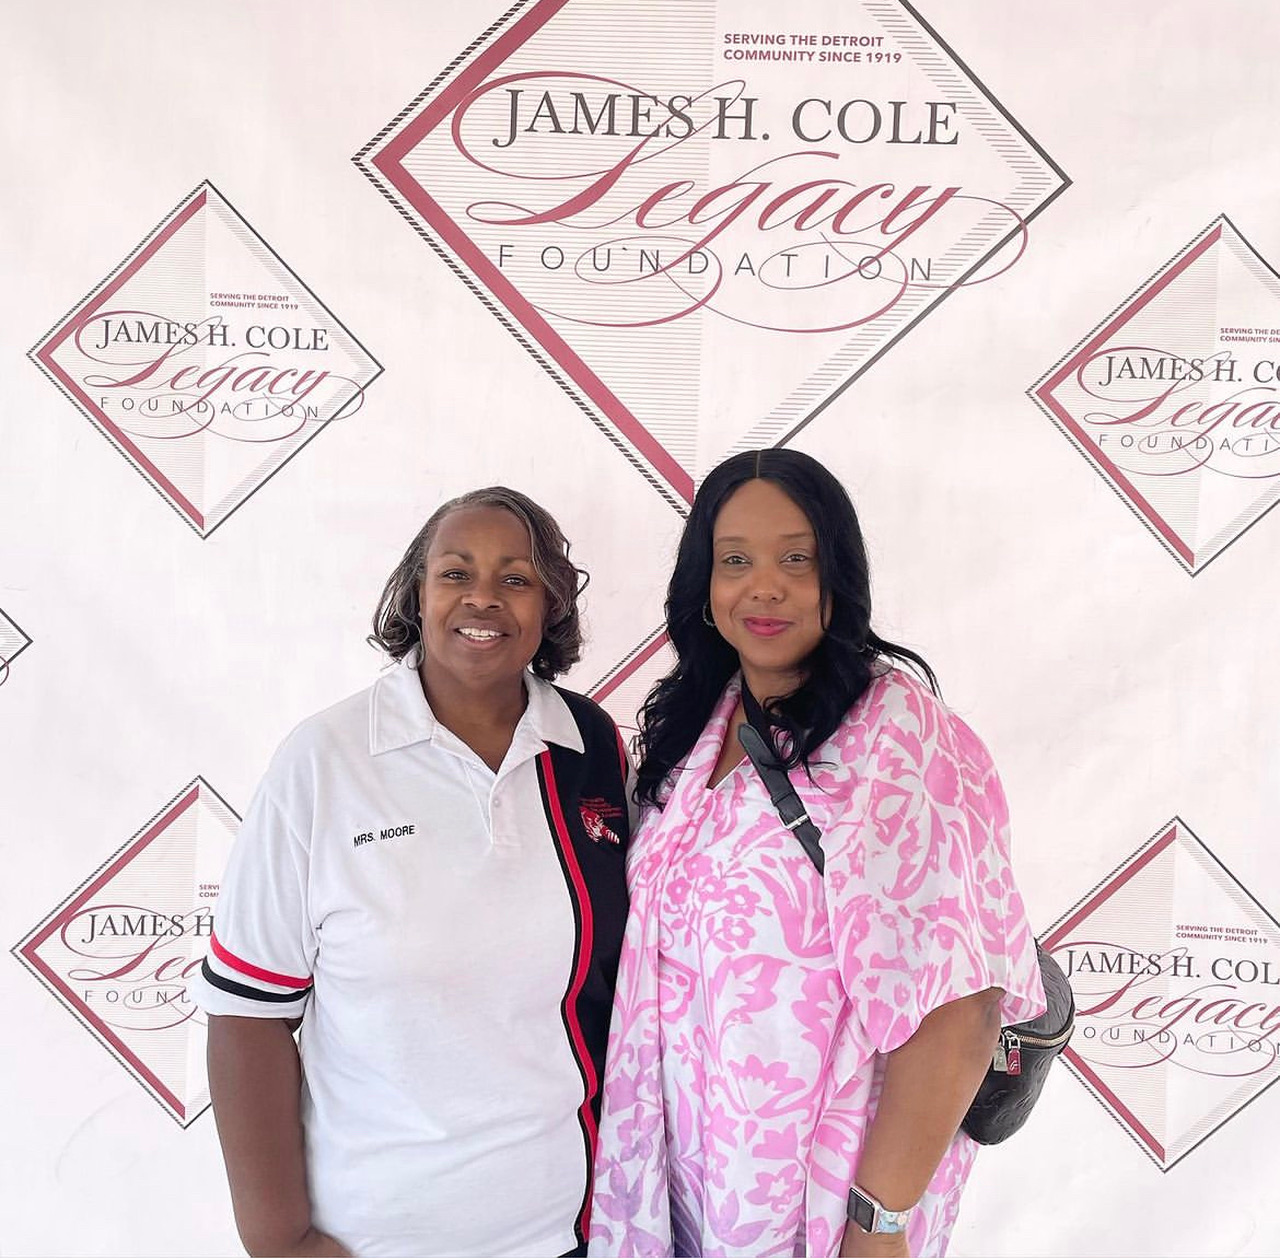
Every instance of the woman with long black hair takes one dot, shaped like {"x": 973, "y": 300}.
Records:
{"x": 792, "y": 1052}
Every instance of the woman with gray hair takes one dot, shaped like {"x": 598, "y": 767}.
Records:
{"x": 429, "y": 881}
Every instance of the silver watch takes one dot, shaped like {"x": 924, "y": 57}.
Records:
{"x": 870, "y": 1215}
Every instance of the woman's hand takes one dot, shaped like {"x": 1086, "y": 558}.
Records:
{"x": 929, "y": 1082}
{"x": 314, "y": 1243}
{"x": 857, "y": 1242}
{"x": 255, "y": 1080}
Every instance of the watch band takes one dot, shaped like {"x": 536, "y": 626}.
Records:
{"x": 871, "y": 1216}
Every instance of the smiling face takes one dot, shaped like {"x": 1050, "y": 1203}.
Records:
{"x": 765, "y": 595}
{"x": 483, "y": 605}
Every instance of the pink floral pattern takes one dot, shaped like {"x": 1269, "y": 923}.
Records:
{"x": 756, "y": 1000}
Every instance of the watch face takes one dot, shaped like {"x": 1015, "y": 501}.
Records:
{"x": 862, "y": 1211}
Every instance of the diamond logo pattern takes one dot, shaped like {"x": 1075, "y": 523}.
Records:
{"x": 622, "y": 691}
{"x": 118, "y": 952}
{"x": 1176, "y": 973}
{"x": 1174, "y": 397}
{"x": 13, "y": 642}
{"x": 206, "y": 361}
{"x": 705, "y": 232}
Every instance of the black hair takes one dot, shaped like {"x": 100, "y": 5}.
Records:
{"x": 839, "y": 669}
{"x": 396, "y": 625}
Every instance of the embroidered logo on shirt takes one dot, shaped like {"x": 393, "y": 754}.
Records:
{"x": 596, "y": 826}
{"x": 600, "y": 805}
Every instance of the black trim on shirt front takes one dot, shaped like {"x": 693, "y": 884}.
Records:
{"x": 566, "y": 780}
{"x": 557, "y": 824}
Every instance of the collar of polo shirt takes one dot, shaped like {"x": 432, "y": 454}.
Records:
{"x": 399, "y": 714}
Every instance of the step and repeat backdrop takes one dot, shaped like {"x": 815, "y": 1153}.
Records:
{"x": 281, "y": 277}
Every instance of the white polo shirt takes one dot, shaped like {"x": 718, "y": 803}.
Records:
{"x": 431, "y": 919}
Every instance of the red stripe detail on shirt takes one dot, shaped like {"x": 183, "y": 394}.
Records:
{"x": 224, "y": 955}
{"x": 579, "y": 979}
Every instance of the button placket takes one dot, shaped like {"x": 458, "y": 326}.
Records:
{"x": 525, "y": 746}
{"x": 479, "y": 779}
{"x": 499, "y": 814}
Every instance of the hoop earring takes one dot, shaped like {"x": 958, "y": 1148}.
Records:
{"x": 707, "y": 618}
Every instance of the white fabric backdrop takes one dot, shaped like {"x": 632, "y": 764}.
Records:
{"x": 1114, "y": 689}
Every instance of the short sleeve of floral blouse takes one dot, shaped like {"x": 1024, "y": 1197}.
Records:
{"x": 922, "y": 904}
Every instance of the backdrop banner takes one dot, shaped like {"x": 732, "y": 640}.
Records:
{"x": 312, "y": 269}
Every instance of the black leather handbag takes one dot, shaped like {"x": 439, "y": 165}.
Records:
{"x": 1025, "y": 1052}
{"x": 1021, "y": 1063}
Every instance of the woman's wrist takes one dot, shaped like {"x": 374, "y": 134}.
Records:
{"x": 873, "y": 1227}
{"x": 874, "y": 1215}
{"x": 857, "y": 1242}
{"x": 316, "y": 1243}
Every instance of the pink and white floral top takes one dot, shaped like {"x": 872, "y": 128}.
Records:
{"x": 756, "y": 999}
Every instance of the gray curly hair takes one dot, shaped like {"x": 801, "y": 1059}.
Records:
{"x": 396, "y": 626}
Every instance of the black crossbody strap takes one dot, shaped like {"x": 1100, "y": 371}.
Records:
{"x": 781, "y": 791}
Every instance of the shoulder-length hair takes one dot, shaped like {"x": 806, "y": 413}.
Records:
{"x": 396, "y": 625}
{"x": 839, "y": 669}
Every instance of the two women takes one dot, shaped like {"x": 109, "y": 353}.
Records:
{"x": 430, "y": 865}
{"x": 430, "y": 879}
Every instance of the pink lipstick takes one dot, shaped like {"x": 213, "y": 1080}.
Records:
{"x": 765, "y": 627}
